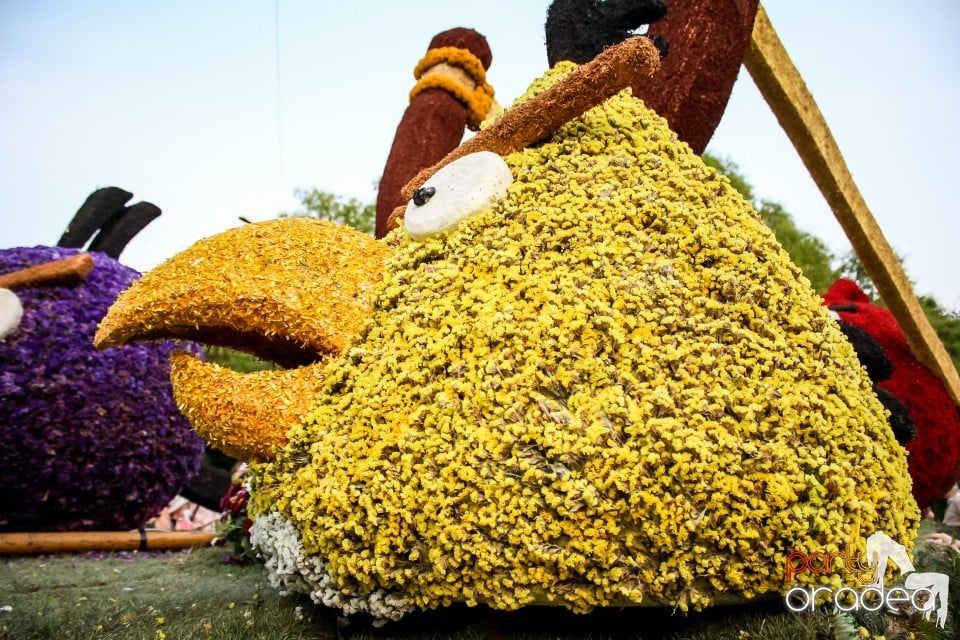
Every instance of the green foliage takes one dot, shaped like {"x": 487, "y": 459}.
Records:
{"x": 946, "y": 324}
{"x": 327, "y": 206}
{"x": 234, "y": 525}
{"x": 236, "y": 360}
{"x": 852, "y": 269}
{"x": 845, "y": 628}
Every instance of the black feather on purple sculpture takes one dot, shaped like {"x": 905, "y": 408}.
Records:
{"x": 105, "y": 211}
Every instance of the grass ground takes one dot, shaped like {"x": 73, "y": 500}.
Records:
{"x": 192, "y": 594}
{"x": 128, "y": 595}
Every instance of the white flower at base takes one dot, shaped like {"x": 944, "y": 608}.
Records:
{"x": 290, "y": 568}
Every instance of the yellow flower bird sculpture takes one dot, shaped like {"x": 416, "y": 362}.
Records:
{"x": 595, "y": 379}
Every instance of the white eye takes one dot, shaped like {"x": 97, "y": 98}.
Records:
{"x": 10, "y": 313}
{"x": 464, "y": 187}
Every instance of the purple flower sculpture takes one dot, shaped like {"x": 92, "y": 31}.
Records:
{"x": 89, "y": 440}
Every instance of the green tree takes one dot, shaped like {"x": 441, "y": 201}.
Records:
{"x": 946, "y": 324}
{"x": 236, "y": 360}
{"x": 852, "y": 269}
{"x": 808, "y": 252}
{"x": 328, "y": 206}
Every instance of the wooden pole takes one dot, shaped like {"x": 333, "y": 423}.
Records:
{"x": 791, "y": 102}
{"x": 83, "y": 541}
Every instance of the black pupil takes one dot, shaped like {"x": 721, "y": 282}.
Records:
{"x": 421, "y": 195}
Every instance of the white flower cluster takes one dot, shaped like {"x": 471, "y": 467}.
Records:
{"x": 290, "y": 568}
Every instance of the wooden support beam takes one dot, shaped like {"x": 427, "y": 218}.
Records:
{"x": 83, "y": 541}
{"x": 791, "y": 102}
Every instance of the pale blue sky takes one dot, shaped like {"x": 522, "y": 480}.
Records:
{"x": 199, "y": 108}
